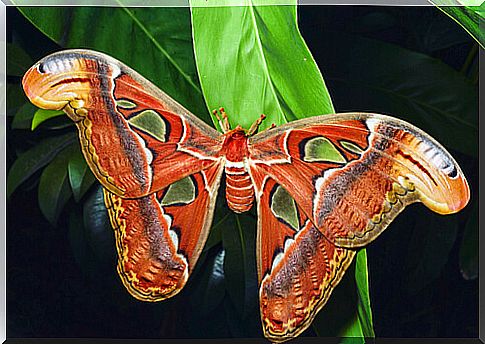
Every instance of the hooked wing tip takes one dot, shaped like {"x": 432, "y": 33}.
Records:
{"x": 459, "y": 197}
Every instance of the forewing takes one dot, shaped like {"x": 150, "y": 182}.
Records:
{"x": 351, "y": 174}
{"x": 136, "y": 139}
{"x": 298, "y": 267}
{"x": 159, "y": 237}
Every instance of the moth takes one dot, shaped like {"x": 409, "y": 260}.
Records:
{"x": 323, "y": 187}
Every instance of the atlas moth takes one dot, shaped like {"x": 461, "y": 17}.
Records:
{"x": 323, "y": 186}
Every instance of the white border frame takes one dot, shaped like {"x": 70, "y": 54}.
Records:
{"x": 158, "y": 3}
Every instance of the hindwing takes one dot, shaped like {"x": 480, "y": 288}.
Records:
{"x": 158, "y": 243}
{"x": 298, "y": 267}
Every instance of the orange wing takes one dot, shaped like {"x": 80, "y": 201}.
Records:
{"x": 326, "y": 185}
{"x": 298, "y": 268}
{"x": 351, "y": 174}
{"x": 158, "y": 243}
{"x": 136, "y": 139}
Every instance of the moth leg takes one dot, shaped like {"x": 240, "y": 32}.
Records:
{"x": 254, "y": 127}
{"x": 271, "y": 127}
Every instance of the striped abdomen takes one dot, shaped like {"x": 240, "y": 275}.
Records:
{"x": 239, "y": 187}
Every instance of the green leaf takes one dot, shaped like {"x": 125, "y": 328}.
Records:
{"x": 18, "y": 61}
{"x": 470, "y": 18}
{"x": 353, "y": 337}
{"x": 154, "y": 41}
{"x": 253, "y": 60}
{"x": 364, "y": 310}
{"x": 469, "y": 246}
{"x": 428, "y": 32}
{"x": 54, "y": 190}
{"x": 215, "y": 234}
{"x": 35, "y": 158}
{"x": 58, "y": 123}
{"x": 339, "y": 317}
{"x": 91, "y": 237}
{"x": 238, "y": 241}
{"x": 15, "y": 98}
{"x": 235, "y": 261}
{"x": 405, "y": 84}
{"x": 23, "y": 117}
{"x": 42, "y": 115}
{"x": 99, "y": 233}
{"x": 80, "y": 176}
{"x": 248, "y": 223}
{"x": 361, "y": 324}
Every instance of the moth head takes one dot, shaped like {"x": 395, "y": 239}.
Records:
{"x": 235, "y": 134}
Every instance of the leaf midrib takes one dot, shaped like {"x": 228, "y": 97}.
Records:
{"x": 265, "y": 64}
{"x": 160, "y": 48}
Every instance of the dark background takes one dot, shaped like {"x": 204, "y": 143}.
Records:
{"x": 52, "y": 292}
